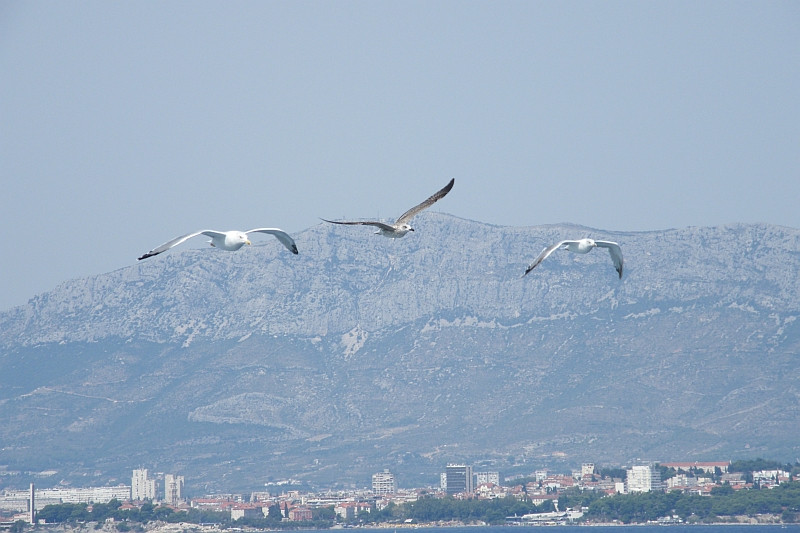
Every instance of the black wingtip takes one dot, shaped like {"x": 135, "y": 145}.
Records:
{"x": 294, "y": 250}
{"x": 148, "y": 254}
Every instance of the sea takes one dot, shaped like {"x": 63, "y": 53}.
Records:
{"x": 649, "y": 528}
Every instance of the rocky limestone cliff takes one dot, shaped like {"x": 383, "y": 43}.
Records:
{"x": 365, "y": 353}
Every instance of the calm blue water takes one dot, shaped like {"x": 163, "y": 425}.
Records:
{"x": 678, "y": 528}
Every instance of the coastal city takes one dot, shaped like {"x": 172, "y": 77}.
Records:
{"x": 546, "y": 490}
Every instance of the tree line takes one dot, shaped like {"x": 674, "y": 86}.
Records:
{"x": 126, "y": 519}
{"x": 431, "y": 509}
{"x": 148, "y": 512}
{"x": 783, "y": 501}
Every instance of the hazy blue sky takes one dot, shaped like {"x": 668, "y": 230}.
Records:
{"x": 129, "y": 123}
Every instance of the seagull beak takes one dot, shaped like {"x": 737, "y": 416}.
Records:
{"x": 247, "y": 242}
{"x": 410, "y": 229}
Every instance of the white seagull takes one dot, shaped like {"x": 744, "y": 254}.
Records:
{"x": 582, "y": 246}
{"x": 226, "y": 240}
{"x": 401, "y": 225}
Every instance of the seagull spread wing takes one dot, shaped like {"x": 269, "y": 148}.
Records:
{"x": 616, "y": 254}
{"x": 542, "y": 256}
{"x": 281, "y": 235}
{"x": 177, "y": 240}
{"x": 441, "y": 193}
{"x": 375, "y": 223}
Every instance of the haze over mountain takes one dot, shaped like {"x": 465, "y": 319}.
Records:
{"x": 364, "y": 353}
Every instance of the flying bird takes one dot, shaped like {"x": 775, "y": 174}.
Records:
{"x": 582, "y": 246}
{"x": 401, "y": 225}
{"x": 226, "y": 240}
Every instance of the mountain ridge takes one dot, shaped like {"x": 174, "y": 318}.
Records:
{"x": 364, "y": 353}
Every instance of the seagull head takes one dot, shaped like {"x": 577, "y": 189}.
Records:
{"x": 235, "y": 240}
{"x": 405, "y": 228}
{"x": 242, "y": 237}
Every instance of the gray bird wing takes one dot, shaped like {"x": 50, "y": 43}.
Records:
{"x": 381, "y": 225}
{"x": 281, "y": 235}
{"x": 177, "y": 240}
{"x": 542, "y": 256}
{"x": 438, "y": 195}
{"x": 616, "y": 254}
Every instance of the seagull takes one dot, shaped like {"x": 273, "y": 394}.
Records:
{"x": 582, "y": 246}
{"x": 401, "y": 225}
{"x": 226, "y": 240}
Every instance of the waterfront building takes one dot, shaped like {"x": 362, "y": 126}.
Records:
{"x": 350, "y": 510}
{"x": 345, "y": 510}
{"x": 215, "y": 503}
{"x": 300, "y": 514}
{"x": 643, "y": 478}
{"x": 173, "y": 489}
{"x": 709, "y": 467}
{"x": 143, "y": 487}
{"x": 484, "y": 478}
{"x": 19, "y": 500}
{"x": 541, "y": 499}
{"x": 246, "y": 511}
{"x": 459, "y": 479}
{"x": 487, "y": 491}
{"x": 383, "y": 483}
{"x": 85, "y": 495}
{"x": 770, "y": 478}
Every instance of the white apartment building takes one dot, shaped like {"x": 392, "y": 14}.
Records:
{"x": 173, "y": 489}
{"x": 767, "y": 476}
{"x": 143, "y": 487}
{"x": 86, "y": 495}
{"x": 643, "y": 479}
{"x": 19, "y": 500}
{"x": 484, "y": 478}
{"x": 384, "y": 483}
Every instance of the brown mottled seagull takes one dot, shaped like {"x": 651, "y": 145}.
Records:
{"x": 401, "y": 225}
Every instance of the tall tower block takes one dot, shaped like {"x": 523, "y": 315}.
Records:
{"x": 33, "y": 506}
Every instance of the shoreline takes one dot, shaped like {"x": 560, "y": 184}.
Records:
{"x": 183, "y": 527}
